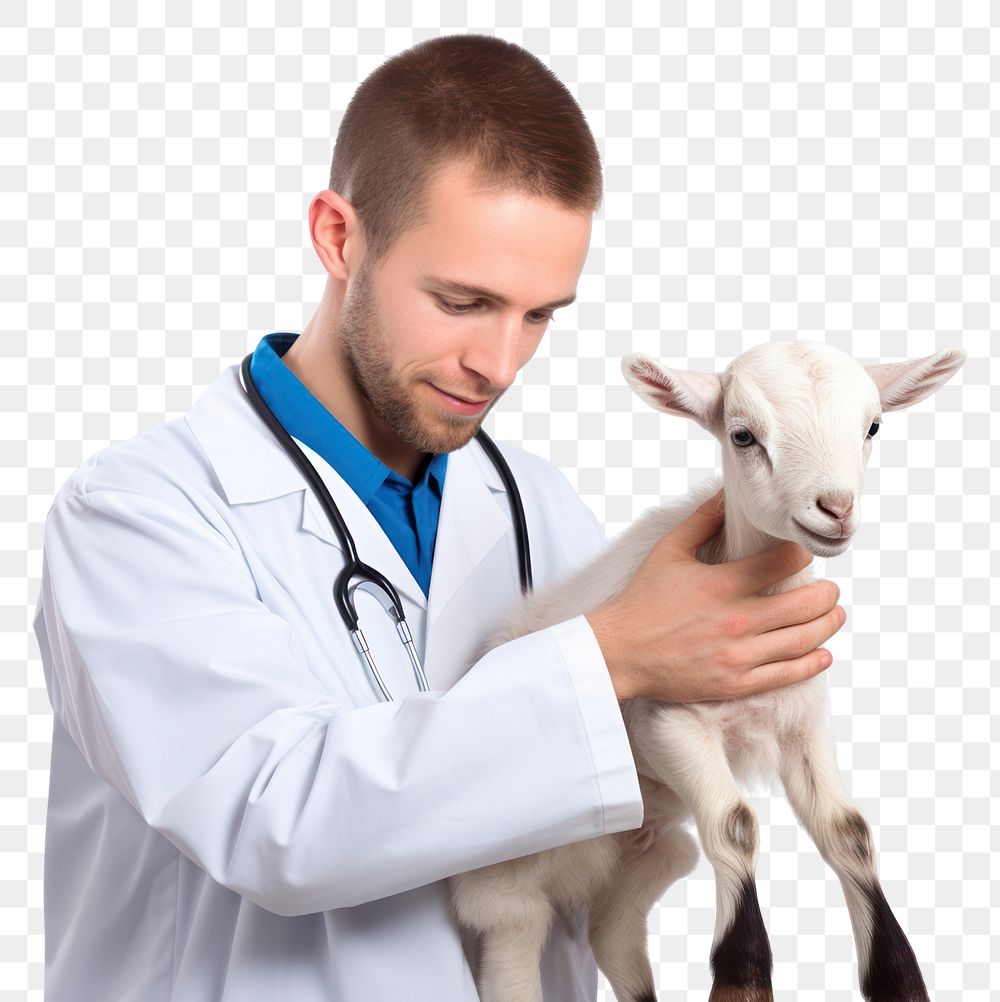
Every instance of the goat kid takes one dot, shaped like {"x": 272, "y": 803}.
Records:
{"x": 796, "y": 422}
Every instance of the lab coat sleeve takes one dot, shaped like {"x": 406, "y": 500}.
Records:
{"x": 582, "y": 537}
{"x": 183, "y": 691}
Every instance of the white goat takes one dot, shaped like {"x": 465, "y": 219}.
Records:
{"x": 809, "y": 412}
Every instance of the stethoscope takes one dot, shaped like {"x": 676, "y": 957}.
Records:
{"x": 355, "y": 569}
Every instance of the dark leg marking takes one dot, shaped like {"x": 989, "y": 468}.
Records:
{"x": 742, "y": 960}
{"x": 893, "y": 974}
{"x": 741, "y": 829}
{"x": 853, "y": 830}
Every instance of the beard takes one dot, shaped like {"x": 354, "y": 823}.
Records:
{"x": 404, "y": 408}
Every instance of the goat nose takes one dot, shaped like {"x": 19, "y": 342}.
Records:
{"x": 836, "y": 503}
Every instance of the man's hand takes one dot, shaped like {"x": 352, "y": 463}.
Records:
{"x": 683, "y": 631}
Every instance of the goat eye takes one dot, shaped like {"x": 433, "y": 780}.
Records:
{"x": 873, "y": 430}
{"x": 742, "y": 438}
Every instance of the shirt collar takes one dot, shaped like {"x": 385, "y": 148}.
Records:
{"x": 305, "y": 418}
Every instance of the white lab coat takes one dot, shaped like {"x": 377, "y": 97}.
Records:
{"x": 234, "y": 814}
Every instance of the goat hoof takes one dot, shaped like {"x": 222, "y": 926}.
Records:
{"x": 741, "y": 993}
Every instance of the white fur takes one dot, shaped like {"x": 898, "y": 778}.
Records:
{"x": 809, "y": 407}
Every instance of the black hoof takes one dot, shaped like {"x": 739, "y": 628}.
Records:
{"x": 740, "y": 993}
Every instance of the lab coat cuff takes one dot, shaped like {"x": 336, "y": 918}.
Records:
{"x": 614, "y": 765}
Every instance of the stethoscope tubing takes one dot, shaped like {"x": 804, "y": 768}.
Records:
{"x": 354, "y": 567}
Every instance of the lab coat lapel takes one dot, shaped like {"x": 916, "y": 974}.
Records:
{"x": 373, "y": 545}
{"x": 470, "y": 524}
{"x": 252, "y": 465}
{"x": 472, "y": 571}
{"x": 474, "y": 517}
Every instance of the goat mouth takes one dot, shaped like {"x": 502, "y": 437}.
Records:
{"x": 819, "y": 537}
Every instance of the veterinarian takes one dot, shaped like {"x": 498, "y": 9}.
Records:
{"x": 236, "y": 813}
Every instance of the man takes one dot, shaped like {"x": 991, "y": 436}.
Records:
{"x": 234, "y": 814}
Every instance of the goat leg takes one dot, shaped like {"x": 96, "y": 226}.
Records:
{"x": 688, "y": 755}
{"x": 887, "y": 968}
{"x": 509, "y": 923}
{"x": 652, "y": 858}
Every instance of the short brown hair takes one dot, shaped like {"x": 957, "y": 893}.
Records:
{"x": 456, "y": 97}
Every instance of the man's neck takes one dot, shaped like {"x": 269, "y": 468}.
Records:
{"x": 321, "y": 369}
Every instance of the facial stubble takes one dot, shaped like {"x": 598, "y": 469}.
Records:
{"x": 398, "y": 404}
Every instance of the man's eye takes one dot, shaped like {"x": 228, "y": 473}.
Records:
{"x": 460, "y": 308}
{"x": 457, "y": 307}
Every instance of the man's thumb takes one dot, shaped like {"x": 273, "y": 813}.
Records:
{"x": 702, "y": 524}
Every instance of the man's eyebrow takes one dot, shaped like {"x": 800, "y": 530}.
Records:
{"x": 462, "y": 289}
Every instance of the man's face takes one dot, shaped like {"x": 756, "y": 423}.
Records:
{"x": 402, "y": 333}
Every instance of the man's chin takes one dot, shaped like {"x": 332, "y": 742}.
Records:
{"x": 457, "y": 441}
{"x": 458, "y": 430}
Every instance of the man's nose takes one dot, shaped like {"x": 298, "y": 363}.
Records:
{"x": 497, "y": 352}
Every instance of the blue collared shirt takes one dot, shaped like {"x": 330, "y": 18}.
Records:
{"x": 408, "y": 513}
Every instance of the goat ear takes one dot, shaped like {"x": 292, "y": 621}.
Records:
{"x": 901, "y": 384}
{"x": 695, "y": 395}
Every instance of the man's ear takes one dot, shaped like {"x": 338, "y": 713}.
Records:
{"x": 694, "y": 395}
{"x": 901, "y": 384}
{"x": 336, "y": 234}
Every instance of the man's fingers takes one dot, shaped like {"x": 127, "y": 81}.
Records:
{"x": 790, "y": 608}
{"x": 778, "y": 674}
{"x": 794, "y": 641}
{"x": 701, "y": 525}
